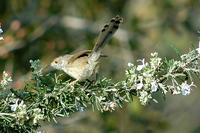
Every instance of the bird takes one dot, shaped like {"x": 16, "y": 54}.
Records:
{"x": 84, "y": 65}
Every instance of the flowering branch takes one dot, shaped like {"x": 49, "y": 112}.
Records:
{"x": 46, "y": 97}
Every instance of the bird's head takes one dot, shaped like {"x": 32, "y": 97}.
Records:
{"x": 58, "y": 63}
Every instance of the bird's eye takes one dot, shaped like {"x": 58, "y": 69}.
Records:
{"x": 56, "y": 62}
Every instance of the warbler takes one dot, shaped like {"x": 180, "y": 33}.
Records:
{"x": 84, "y": 64}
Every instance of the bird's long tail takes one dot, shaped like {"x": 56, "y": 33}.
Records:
{"x": 105, "y": 34}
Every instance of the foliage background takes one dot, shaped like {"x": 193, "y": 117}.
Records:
{"x": 45, "y": 29}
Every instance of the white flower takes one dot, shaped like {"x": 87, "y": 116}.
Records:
{"x": 113, "y": 105}
{"x": 144, "y": 97}
{"x": 130, "y": 64}
{"x": 1, "y": 31}
{"x": 154, "y": 86}
{"x": 14, "y": 106}
{"x": 175, "y": 91}
{"x": 5, "y": 82}
{"x": 21, "y": 113}
{"x": 17, "y": 105}
{"x": 140, "y": 67}
{"x": 37, "y": 115}
{"x": 81, "y": 109}
{"x": 109, "y": 106}
{"x": 139, "y": 86}
{"x": 198, "y": 49}
{"x": 155, "y": 62}
{"x": 186, "y": 88}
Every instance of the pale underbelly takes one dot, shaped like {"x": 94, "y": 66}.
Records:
{"x": 80, "y": 73}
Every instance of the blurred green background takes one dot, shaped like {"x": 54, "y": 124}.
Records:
{"x": 44, "y": 29}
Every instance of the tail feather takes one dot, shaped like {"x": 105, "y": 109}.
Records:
{"x": 107, "y": 32}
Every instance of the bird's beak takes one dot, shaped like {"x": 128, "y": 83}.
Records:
{"x": 47, "y": 70}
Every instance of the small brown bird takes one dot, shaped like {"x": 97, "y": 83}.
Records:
{"x": 84, "y": 64}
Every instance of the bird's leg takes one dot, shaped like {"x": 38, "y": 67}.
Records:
{"x": 93, "y": 80}
{"x": 73, "y": 82}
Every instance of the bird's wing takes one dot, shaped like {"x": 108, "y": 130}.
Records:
{"x": 78, "y": 55}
